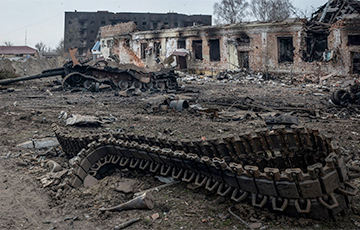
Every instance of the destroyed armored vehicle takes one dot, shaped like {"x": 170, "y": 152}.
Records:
{"x": 90, "y": 77}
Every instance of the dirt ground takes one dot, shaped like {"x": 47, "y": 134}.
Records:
{"x": 28, "y": 109}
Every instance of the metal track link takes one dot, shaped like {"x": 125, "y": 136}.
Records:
{"x": 299, "y": 171}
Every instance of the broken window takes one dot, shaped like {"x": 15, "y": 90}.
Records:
{"x": 214, "y": 50}
{"x": 315, "y": 47}
{"x": 157, "y": 48}
{"x": 243, "y": 57}
{"x": 127, "y": 43}
{"x": 102, "y": 22}
{"x": 197, "y": 48}
{"x": 354, "y": 40}
{"x": 244, "y": 40}
{"x": 109, "y": 43}
{"x": 155, "y": 25}
{"x": 144, "y": 23}
{"x": 181, "y": 44}
{"x": 356, "y": 62}
{"x": 143, "y": 50}
{"x": 286, "y": 49}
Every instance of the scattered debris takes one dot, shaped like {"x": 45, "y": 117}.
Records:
{"x": 90, "y": 181}
{"x": 39, "y": 144}
{"x": 126, "y": 186}
{"x": 166, "y": 180}
{"x": 83, "y": 120}
{"x": 256, "y": 225}
{"x": 237, "y": 217}
{"x": 155, "y": 216}
{"x": 54, "y": 167}
{"x": 179, "y": 105}
{"x": 155, "y": 189}
{"x": 126, "y": 224}
{"x": 282, "y": 119}
{"x": 343, "y": 97}
{"x": 145, "y": 201}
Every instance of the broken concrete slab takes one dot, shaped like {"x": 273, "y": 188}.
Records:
{"x": 166, "y": 180}
{"x": 90, "y": 181}
{"x": 126, "y": 186}
{"x": 83, "y": 120}
{"x": 53, "y": 166}
{"x": 39, "y": 144}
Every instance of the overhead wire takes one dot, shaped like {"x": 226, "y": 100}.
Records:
{"x": 30, "y": 24}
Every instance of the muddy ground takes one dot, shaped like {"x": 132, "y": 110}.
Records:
{"x": 28, "y": 109}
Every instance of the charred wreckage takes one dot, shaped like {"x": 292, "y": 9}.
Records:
{"x": 90, "y": 77}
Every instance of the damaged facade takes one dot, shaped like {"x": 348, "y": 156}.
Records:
{"x": 325, "y": 44}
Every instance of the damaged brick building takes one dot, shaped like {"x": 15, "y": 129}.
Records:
{"x": 329, "y": 43}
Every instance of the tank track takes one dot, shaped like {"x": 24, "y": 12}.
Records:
{"x": 299, "y": 172}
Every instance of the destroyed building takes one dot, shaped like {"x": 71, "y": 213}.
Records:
{"x": 329, "y": 43}
{"x": 81, "y": 28}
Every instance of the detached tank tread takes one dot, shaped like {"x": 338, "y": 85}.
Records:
{"x": 248, "y": 166}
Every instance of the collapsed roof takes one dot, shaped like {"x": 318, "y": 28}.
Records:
{"x": 331, "y": 12}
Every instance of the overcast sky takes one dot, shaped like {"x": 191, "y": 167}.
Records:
{"x": 43, "y": 20}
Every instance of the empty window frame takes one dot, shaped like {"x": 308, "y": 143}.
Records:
{"x": 157, "y": 49}
{"x": 197, "y": 48}
{"x": 355, "y": 62}
{"x": 286, "y": 49}
{"x": 315, "y": 48}
{"x": 181, "y": 44}
{"x": 143, "y": 49}
{"x": 214, "y": 50}
{"x": 354, "y": 40}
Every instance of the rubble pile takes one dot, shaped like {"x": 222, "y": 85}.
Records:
{"x": 226, "y": 76}
{"x": 30, "y": 66}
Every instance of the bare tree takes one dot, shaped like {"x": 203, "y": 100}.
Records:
{"x": 230, "y": 11}
{"x": 259, "y": 9}
{"x": 8, "y": 43}
{"x": 59, "y": 49}
{"x": 272, "y": 10}
{"x": 41, "y": 47}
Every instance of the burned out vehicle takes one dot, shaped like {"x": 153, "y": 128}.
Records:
{"x": 77, "y": 75}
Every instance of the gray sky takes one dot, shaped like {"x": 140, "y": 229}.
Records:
{"x": 43, "y": 20}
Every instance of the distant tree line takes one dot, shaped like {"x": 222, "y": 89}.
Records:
{"x": 237, "y": 11}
